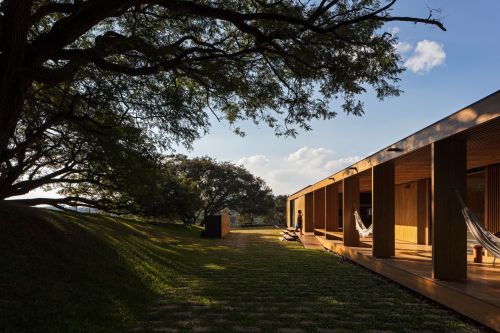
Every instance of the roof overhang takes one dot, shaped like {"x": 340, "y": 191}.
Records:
{"x": 481, "y": 112}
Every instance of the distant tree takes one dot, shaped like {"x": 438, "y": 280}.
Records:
{"x": 159, "y": 67}
{"x": 278, "y": 213}
{"x": 170, "y": 198}
{"x": 223, "y": 185}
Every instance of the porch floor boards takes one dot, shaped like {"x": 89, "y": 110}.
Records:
{"x": 310, "y": 242}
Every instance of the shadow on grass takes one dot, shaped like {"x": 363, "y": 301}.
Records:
{"x": 64, "y": 272}
{"x": 264, "y": 285}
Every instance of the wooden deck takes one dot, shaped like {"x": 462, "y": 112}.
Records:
{"x": 311, "y": 242}
{"x": 478, "y": 297}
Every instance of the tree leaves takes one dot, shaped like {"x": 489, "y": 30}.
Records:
{"x": 223, "y": 185}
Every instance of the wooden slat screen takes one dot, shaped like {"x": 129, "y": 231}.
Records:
{"x": 492, "y": 198}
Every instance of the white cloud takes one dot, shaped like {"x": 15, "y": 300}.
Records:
{"x": 403, "y": 47}
{"x": 255, "y": 160}
{"x": 310, "y": 157}
{"x": 427, "y": 55}
{"x": 394, "y": 31}
{"x": 341, "y": 163}
{"x": 287, "y": 174}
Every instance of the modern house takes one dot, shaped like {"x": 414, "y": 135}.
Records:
{"x": 410, "y": 192}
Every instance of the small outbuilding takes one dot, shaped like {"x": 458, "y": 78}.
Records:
{"x": 216, "y": 226}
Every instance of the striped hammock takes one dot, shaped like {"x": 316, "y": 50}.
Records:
{"x": 360, "y": 226}
{"x": 488, "y": 241}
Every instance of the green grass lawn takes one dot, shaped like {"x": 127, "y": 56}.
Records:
{"x": 63, "y": 272}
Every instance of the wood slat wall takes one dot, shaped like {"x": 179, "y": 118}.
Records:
{"x": 476, "y": 194}
{"x": 492, "y": 198}
{"x": 332, "y": 207}
{"x": 299, "y": 204}
{"x": 406, "y": 212}
{"x": 424, "y": 211}
{"x": 287, "y": 213}
{"x": 309, "y": 212}
{"x": 319, "y": 209}
{"x": 412, "y": 205}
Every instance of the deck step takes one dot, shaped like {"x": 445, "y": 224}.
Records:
{"x": 289, "y": 233}
{"x": 289, "y": 237}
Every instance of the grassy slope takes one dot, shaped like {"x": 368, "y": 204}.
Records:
{"x": 62, "y": 272}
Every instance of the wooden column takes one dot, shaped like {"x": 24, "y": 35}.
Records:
{"x": 319, "y": 209}
{"x": 308, "y": 219}
{"x": 449, "y": 243}
{"x": 287, "y": 214}
{"x": 332, "y": 207}
{"x": 383, "y": 217}
{"x": 423, "y": 212}
{"x": 350, "y": 203}
{"x": 492, "y": 198}
{"x": 299, "y": 204}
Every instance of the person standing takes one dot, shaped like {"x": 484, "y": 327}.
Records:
{"x": 299, "y": 222}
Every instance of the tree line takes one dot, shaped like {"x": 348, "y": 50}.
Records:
{"x": 190, "y": 189}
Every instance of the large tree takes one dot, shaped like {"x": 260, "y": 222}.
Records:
{"x": 160, "y": 66}
{"x": 223, "y": 185}
{"x": 91, "y": 153}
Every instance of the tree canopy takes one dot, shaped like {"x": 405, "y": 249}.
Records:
{"x": 81, "y": 78}
{"x": 277, "y": 215}
{"x": 223, "y": 185}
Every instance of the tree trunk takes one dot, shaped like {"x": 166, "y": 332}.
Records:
{"x": 205, "y": 213}
{"x": 14, "y": 80}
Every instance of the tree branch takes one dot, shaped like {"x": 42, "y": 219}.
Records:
{"x": 71, "y": 201}
{"x": 51, "y": 8}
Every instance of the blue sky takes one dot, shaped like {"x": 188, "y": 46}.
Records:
{"x": 446, "y": 71}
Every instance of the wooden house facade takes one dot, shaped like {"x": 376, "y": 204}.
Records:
{"x": 408, "y": 192}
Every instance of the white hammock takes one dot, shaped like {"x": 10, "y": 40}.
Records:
{"x": 360, "y": 227}
{"x": 487, "y": 240}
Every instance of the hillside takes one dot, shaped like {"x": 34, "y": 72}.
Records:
{"x": 67, "y": 272}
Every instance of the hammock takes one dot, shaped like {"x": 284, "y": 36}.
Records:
{"x": 487, "y": 240}
{"x": 360, "y": 227}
